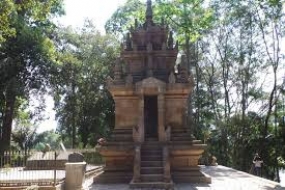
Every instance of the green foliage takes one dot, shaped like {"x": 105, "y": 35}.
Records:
{"x": 27, "y": 54}
{"x": 189, "y": 18}
{"x": 49, "y": 138}
{"x": 6, "y": 8}
{"x": 82, "y": 101}
{"x": 186, "y": 18}
{"x": 34, "y": 12}
{"x": 281, "y": 161}
{"x": 124, "y": 17}
{"x": 24, "y": 131}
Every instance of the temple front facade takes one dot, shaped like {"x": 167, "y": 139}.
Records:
{"x": 152, "y": 144}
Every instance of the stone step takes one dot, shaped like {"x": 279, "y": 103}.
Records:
{"x": 122, "y": 137}
{"x": 151, "y": 157}
{"x": 152, "y": 185}
{"x": 151, "y": 148}
{"x": 148, "y": 145}
{"x": 151, "y": 170}
{"x": 151, "y": 153}
{"x": 113, "y": 177}
{"x": 188, "y": 142}
{"x": 151, "y": 145}
{"x": 147, "y": 139}
{"x": 174, "y": 129}
{"x": 180, "y": 135}
{"x": 118, "y": 168}
{"x": 161, "y": 185}
{"x": 157, "y": 151}
{"x": 122, "y": 131}
{"x": 181, "y": 138}
{"x": 180, "y": 130}
{"x": 116, "y": 139}
{"x": 151, "y": 177}
{"x": 151, "y": 164}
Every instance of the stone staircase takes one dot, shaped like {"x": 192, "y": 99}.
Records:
{"x": 152, "y": 167}
{"x": 151, "y": 162}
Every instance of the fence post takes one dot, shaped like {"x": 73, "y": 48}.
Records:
{"x": 1, "y": 160}
{"x": 54, "y": 179}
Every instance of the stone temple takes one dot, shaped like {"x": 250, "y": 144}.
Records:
{"x": 152, "y": 145}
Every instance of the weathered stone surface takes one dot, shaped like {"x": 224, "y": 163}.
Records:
{"x": 152, "y": 98}
{"x": 75, "y": 175}
{"x": 75, "y": 157}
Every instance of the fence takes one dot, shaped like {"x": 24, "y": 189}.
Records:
{"x": 40, "y": 168}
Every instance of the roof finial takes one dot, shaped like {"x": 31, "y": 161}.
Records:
{"x": 148, "y": 13}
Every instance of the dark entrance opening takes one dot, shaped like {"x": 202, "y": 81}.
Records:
{"x": 150, "y": 116}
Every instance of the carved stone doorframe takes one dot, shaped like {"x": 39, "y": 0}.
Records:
{"x": 153, "y": 87}
{"x": 161, "y": 117}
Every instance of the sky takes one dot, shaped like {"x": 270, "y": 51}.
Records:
{"x": 76, "y": 11}
{"x": 97, "y": 10}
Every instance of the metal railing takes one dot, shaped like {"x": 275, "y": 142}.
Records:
{"x": 40, "y": 168}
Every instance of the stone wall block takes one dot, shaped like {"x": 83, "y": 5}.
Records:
{"x": 74, "y": 175}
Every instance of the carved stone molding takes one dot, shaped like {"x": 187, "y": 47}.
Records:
{"x": 150, "y": 86}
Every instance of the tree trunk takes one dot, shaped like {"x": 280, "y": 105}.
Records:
{"x": 10, "y": 99}
{"x": 73, "y": 116}
{"x": 2, "y": 105}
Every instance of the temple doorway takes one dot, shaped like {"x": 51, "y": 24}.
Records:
{"x": 150, "y": 116}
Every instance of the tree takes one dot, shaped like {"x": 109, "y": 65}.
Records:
{"x": 82, "y": 102}
{"x": 47, "y": 137}
{"x": 124, "y": 17}
{"x": 270, "y": 26}
{"x": 24, "y": 131}
{"x": 7, "y": 7}
{"x": 236, "y": 46}
{"x": 26, "y": 54}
